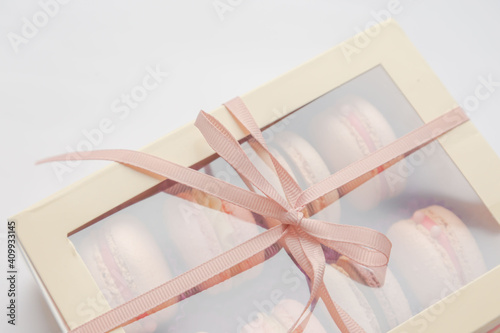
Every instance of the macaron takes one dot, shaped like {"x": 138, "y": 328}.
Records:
{"x": 384, "y": 293}
{"x": 281, "y": 319}
{"x": 308, "y": 168}
{"x": 436, "y": 253}
{"x": 125, "y": 262}
{"x": 345, "y": 292}
{"x": 201, "y": 227}
{"x": 265, "y": 166}
{"x": 348, "y": 131}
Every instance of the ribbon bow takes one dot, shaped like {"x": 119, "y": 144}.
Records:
{"x": 290, "y": 228}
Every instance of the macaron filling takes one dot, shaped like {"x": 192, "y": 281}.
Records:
{"x": 307, "y": 168}
{"x": 113, "y": 268}
{"x": 436, "y": 231}
{"x": 119, "y": 280}
{"x": 360, "y": 128}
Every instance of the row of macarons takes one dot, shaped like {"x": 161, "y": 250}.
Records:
{"x": 433, "y": 252}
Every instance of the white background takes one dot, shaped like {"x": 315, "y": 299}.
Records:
{"x": 64, "y": 79}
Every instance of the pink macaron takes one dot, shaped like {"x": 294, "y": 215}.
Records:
{"x": 346, "y": 293}
{"x": 436, "y": 253}
{"x": 125, "y": 262}
{"x": 308, "y": 168}
{"x": 384, "y": 293}
{"x": 281, "y": 319}
{"x": 265, "y": 166}
{"x": 348, "y": 131}
{"x": 201, "y": 227}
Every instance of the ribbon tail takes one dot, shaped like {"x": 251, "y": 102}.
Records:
{"x": 309, "y": 255}
{"x": 344, "y": 322}
{"x": 186, "y": 176}
{"x": 312, "y": 260}
{"x": 208, "y": 273}
{"x": 364, "y": 169}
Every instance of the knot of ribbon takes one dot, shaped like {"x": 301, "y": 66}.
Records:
{"x": 289, "y": 225}
{"x": 294, "y": 217}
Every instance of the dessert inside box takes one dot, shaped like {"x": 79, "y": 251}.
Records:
{"x": 443, "y": 235}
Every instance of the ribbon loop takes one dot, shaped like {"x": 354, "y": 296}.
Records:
{"x": 362, "y": 245}
{"x": 238, "y": 109}
{"x": 222, "y": 142}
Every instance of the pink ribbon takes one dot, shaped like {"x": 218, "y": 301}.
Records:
{"x": 290, "y": 227}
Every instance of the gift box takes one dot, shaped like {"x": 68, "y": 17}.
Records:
{"x": 105, "y": 241}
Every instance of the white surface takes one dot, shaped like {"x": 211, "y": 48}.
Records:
{"x": 64, "y": 80}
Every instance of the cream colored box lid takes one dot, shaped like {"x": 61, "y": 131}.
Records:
{"x": 44, "y": 228}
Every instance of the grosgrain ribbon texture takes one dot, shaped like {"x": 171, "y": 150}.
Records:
{"x": 301, "y": 237}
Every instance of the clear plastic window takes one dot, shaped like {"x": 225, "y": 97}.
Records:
{"x": 443, "y": 235}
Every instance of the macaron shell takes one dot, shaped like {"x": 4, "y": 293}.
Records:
{"x": 190, "y": 230}
{"x": 340, "y": 144}
{"x": 383, "y": 133}
{"x": 264, "y": 159}
{"x": 312, "y": 169}
{"x": 192, "y": 233}
{"x": 425, "y": 264}
{"x": 304, "y": 156}
{"x": 144, "y": 259}
{"x": 375, "y": 121}
{"x": 288, "y": 311}
{"x": 281, "y": 160}
{"x": 349, "y": 297}
{"x": 233, "y": 225}
{"x": 134, "y": 249}
{"x": 389, "y": 295}
{"x": 239, "y": 225}
{"x": 89, "y": 252}
{"x": 215, "y": 226}
{"x": 111, "y": 292}
{"x": 265, "y": 167}
{"x": 463, "y": 242}
{"x": 393, "y": 301}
